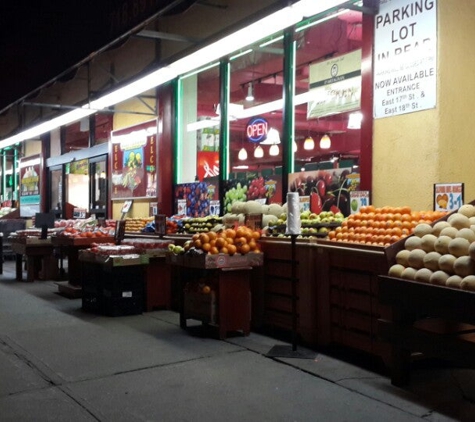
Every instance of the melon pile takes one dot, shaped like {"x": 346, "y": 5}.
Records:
{"x": 443, "y": 254}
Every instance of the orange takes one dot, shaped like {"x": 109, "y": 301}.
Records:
{"x": 230, "y": 233}
{"x": 212, "y": 236}
{"x": 213, "y": 250}
{"x": 206, "y": 246}
{"x": 220, "y": 242}
{"x": 204, "y": 238}
{"x": 224, "y": 249}
{"x": 244, "y": 249}
{"x": 231, "y": 249}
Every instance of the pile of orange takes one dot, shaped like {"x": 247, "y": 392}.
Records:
{"x": 229, "y": 241}
{"x": 382, "y": 226}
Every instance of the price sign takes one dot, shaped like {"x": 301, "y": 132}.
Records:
{"x": 161, "y": 224}
{"x": 253, "y": 221}
{"x": 448, "y": 196}
{"x": 119, "y": 231}
{"x": 358, "y": 199}
{"x": 214, "y": 207}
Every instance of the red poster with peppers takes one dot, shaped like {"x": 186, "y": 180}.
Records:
{"x": 134, "y": 161}
{"x": 207, "y": 164}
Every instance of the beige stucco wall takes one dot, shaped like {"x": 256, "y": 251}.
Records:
{"x": 414, "y": 151}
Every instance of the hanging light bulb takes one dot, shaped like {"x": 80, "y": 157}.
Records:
{"x": 325, "y": 142}
{"x": 259, "y": 152}
{"x": 250, "y": 93}
{"x": 309, "y": 143}
{"x": 294, "y": 147}
{"x": 274, "y": 150}
{"x": 242, "y": 154}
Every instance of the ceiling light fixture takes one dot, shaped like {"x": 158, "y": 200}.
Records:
{"x": 294, "y": 147}
{"x": 242, "y": 154}
{"x": 258, "y": 152}
{"x": 273, "y": 137}
{"x": 250, "y": 93}
{"x": 309, "y": 143}
{"x": 325, "y": 142}
{"x": 274, "y": 150}
{"x": 283, "y": 18}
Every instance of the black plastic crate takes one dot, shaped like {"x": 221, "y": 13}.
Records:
{"x": 121, "y": 306}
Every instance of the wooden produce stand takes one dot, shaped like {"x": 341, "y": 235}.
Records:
{"x": 348, "y": 306}
{"x": 228, "y": 304}
{"x": 70, "y": 246}
{"x": 436, "y": 321}
{"x": 39, "y": 257}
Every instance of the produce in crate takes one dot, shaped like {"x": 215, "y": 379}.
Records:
{"x": 241, "y": 240}
{"x": 442, "y": 254}
{"x": 384, "y": 226}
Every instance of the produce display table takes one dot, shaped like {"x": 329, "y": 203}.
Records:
{"x": 437, "y": 321}
{"x": 71, "y": 246}
{"x": 227, "y": 305}
{"x": 158, "y": 284}
{"x": 39, "y": 256}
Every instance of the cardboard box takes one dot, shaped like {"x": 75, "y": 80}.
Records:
{"x": 122, "y": 260}
{"x": 250, "y": 259}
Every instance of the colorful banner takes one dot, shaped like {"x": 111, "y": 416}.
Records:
{"x": 196, "y": 199}
{"x": 329, "y": 190}
{"x": 30, "y": 198}
{"x": 134, "y": 162}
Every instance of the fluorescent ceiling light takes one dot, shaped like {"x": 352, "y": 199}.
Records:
{"x": 202, "y": 124}
{"x": 326, "y": 18}
{"x": 249, "y": 35}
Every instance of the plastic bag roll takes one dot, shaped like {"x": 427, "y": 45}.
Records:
{"x": 293, "y": 213}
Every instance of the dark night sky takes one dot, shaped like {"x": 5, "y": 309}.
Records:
{"x": 39, "y": 40}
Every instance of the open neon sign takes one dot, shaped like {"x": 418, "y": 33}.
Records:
{"x": 256, "y": 129}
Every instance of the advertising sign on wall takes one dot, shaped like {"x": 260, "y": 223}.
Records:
{"x": 134, "y": 162}
{"x": 335, "y": 85}
{"x": 405, "y": 57}
{"x": 207, "y": 164}
{"x": 448, "y": 196}
{"x": 30, "y": 198}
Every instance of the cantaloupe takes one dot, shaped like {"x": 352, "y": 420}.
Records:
{"x": 446, "y": 263}
{"x": 416, "y": 258}
{"x": 439, "y": 278}
{"x": 471, "y": 251}
{"x": 401, "y": 257}
{"x": 454, "y": 281}
{"x": 431, "y": 260}
{"x": 413, "y": 242}
{"x": 459, "y": 246}
{"x": 422, "y": 229}
{"x": 269, "y": 219}
{"x": 409, "y": 273}
{"x": 423, "y": 275}
{"x": 428, "y": 241}
{"x": 467, "y": 209}
{"x": 449, "y": 231}
{"x": 441, "y": 245}
{"x": 472, "y": 220}
{"x": 276, "y": 209}
{"x": 464, "y": 266}
{"x": 468, "y": 283}
{"x": 459, "y": 221}
{"x": 468, "y": 234}
{"x": 238, "y": 207}
{"x": 439, "y": 226}
{"x": 254, "y": 207}
{"x": 396, "y": 270}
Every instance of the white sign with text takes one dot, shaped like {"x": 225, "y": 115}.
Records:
{"x": 405, "y": 57}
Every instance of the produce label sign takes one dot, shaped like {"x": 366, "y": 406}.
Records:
{"x": 134, "y": 162}
{"x": 405, "y": 57}
{"x": 335, "y": 85}
{"x": 194, "y": 199}
{"x": 448, "y": 196}
{"x": 329, "y": 190}
{"x": 30, "y": 197}
{"x": 358, "y": 199}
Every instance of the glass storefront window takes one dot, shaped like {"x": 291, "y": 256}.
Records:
{"x": 98, "y": 170}
{"x": 198, "y": 146}
{"x": 328, "y": 92}
{"x": 77, "y": 184}
{"x": 56, "y": 188}
{"x": 255, "y": 109}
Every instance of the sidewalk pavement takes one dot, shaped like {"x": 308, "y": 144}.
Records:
{"x": 59, "y": 363}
